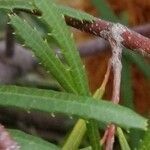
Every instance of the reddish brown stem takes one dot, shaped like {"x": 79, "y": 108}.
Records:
{"x": 110, "y": 137}
{"x": 114, "y": 34}
{"x": 131, "y": 39}
{"x": 6, "y": 142}
{"x": 97, "y": 45}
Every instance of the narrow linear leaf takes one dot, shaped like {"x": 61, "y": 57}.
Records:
{"x": 78, "y": 72}
{"x": 11, "y": 4}
{"x": 122, "y": 140}
{"x": 126, "y": 84}
{"x": 127, "y": 94}
{"x": 69, "y": 49}
{"x": 141, "y": 63}
{"x": 86, "y": 148}
{"x": 127, "y": 91}
{"x": 77, "y": 133}
{"x": 105, "y": 10}
{"x": 42, "y": 50}
{"x": 81, "y": 125}
{"x": 94, "y": 136}
{"x": 65, "y": 40}
{"x": 30, "y": 142}
{"x": 71, "y": 12}
{"x": 85, "y": 107}
{"x": 29, "y": 5}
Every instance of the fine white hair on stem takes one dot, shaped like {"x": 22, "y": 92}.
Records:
{"x": 115, "y": 40}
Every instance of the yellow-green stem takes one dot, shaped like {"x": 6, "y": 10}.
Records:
{"x": 80, "y": 128}
{"x": 76, "y": 136}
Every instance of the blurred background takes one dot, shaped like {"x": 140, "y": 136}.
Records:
{"x": 19, "y": 67}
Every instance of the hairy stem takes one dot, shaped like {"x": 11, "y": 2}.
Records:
{"x": 115, "y": 41}
{"x": 131, "y": 39}
{"x": 116, "y": 64}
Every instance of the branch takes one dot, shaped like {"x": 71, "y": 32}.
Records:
{"x": 88, "y": 48}
{"x": 131, "y": 39}
{"x": 97, "y": 45}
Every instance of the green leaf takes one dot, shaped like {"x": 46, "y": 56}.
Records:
{"x": 65, "y": 40}
{"x": 81, "y": 125}
{"x": 145, "y": 142}
{"x": 76, "y": 69}
{"x": 86, "y": 148}
{"x": 30, "y": 142}
{"x": 127, "y": 94}
{"x": 74, "y": 13}
{"x": 77, "y": 133}
{"x": 122, "y": 140}
{"x": 126, "y": 83}
{"x": 105, "y": 10}
{"x": 42, "y": 50}
{"x": 85, "y": 107}
{"x": 61, "y": 34}
{"x": 140, "y": 62}
{"x": 94, "y": 136}
{"x": 20, "y": 4}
